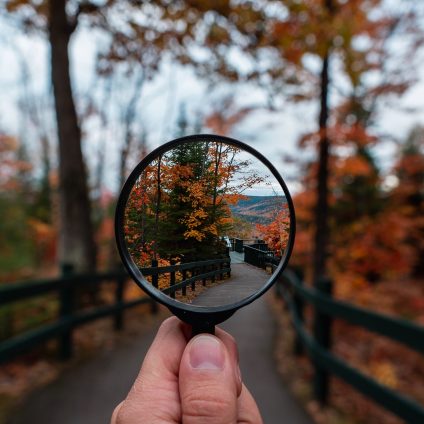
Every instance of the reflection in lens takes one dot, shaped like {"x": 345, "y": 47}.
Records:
{"x": 203, "y": 221}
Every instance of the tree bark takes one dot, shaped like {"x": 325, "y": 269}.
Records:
{"x": 157, "y": 211}
{"x": 321, "y": 211}
{"x": 76, "y": 238}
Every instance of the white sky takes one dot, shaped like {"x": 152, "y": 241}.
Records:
{"x": 273, "y": 134}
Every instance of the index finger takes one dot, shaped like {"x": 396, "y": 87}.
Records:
{"x": 154, "y": 396}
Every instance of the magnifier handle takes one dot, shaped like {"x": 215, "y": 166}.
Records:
{"x": 202, "y": 328}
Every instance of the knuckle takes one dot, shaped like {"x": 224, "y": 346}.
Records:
{"x": 205, "y": 408}
{"x": 120, "y": 414}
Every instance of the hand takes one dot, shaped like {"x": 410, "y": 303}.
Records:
{"x": 190, "y": 382}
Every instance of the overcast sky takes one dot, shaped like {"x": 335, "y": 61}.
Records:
{"x": 273, "y": 133}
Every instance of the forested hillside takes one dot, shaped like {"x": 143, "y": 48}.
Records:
{"x": 257, "y": 209}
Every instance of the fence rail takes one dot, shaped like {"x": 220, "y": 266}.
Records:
{"x": 258, "y": 257}
{"x": 238, "y": 244}
{"x": 200, "y": 271}
{"x": 317, "y": 342}
{"x": 70, "y": 317}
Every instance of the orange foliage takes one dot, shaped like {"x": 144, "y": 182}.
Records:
{"x": 45, "y": 240}
{"x": 276, "y": 233}
{"x": 10, "y": 164}
{"x": 374, "y": 248}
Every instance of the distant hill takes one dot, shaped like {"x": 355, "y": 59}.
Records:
{"x": 258, "y": 209}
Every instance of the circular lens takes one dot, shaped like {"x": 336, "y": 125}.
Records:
{"x": 205, "y": 223}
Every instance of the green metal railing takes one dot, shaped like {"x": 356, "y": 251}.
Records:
{"x": 317, "y": 342}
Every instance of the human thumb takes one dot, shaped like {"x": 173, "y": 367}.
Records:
{"x": 208, "y": 382}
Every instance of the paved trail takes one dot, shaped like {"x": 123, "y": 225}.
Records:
{"x": 245, "y": 280}
{"x": 237, "y": 258}
{"x": 88, "y": 393}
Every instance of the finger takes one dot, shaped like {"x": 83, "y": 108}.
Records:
{"x": 248, "y": 412}
{"x": 231, "y": 345}
{"x": 114, "y": 418}
{"x": 154, "y": 396}
{"x": 208, "y": 386}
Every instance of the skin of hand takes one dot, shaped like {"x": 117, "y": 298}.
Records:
{"x": 188, "y": 381}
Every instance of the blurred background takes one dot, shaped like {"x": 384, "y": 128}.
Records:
{"x": 331, "y": 91}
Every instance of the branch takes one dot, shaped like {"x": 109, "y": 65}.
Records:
{"x": 85, "y": 7}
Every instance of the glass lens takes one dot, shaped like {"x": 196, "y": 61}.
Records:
{"x": 206, "y": 223}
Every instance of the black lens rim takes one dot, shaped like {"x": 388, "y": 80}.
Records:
{"x": 180, "y": 308}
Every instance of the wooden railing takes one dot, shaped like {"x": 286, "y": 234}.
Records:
{"x": 238, "y": 245}
{"x": 317, "y": 343}
{"x": 70, "y": 316}
{"x": 258, "y": 256}
{"x": 191, "y": 272}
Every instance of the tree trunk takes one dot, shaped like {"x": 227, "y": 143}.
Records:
{"x": 157, "y": 211}
{"x": 321, "y": 211}
{"x": 218, "y": 154}
{"x": 76, "y": 240}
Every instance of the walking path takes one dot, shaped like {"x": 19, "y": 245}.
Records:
{"x": 245, "y": 280}
{"x": 236, "y": 258}
{"x": 88, "y": 393}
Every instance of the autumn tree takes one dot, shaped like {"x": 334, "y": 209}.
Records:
{"x": 330, "y": 30}
{"x": 17, "y": 249}
{"x": 76, "y": 235}
{"x": 407, "y": 197}
{"x": 188, "y": 193}
{"x": 353, "y": 37}
{"x": 276, "y": 233}
{"x": 133, "y": 40}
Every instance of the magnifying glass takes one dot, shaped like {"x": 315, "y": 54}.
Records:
{"x": 205, "y": 225}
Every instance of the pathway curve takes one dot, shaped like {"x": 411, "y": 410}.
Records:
{"x": 245, "y": 280}
{"x": 88, "y": 393}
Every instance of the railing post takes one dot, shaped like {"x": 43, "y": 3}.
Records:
{"x": 119, "y": 298}
{"x": 193, "y": 284}
{"x": 155, "y": 277}
{"x": 172, "y": 279}
{"x": 184, "y": 289}
{"x": 322, "y": 335}
{"x": 154, "y": 307}
{"x": 203, "y": 271}
{"x": 67, "y": 303}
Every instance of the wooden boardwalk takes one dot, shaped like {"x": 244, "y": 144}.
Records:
{"x": 245, "y": 280}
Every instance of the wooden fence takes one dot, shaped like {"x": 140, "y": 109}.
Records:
{"x": 71, "y": 316}
{"x": 238, "y": 245}
{"x": 317, "y": 343}
{"x": 191, "y": 272}
{"x": 258, "y": 255}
